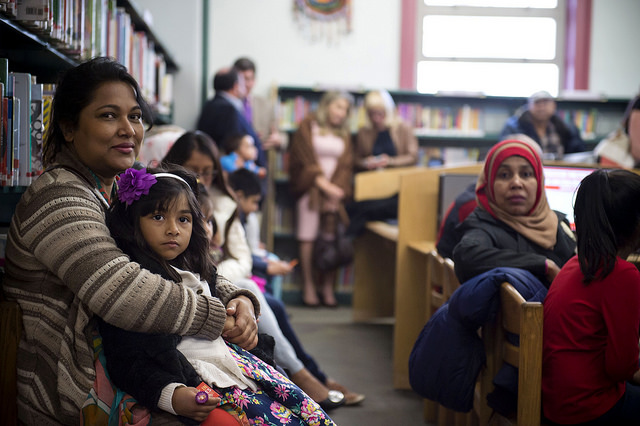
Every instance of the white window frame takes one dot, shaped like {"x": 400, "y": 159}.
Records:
{"x": 558, "y": 14}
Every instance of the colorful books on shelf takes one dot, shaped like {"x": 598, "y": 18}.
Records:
{"x": 24, "y": 114}
{"x": 585, "y": 120}
{"x": 83, "y": 29}
{"x": 428, "y": 121}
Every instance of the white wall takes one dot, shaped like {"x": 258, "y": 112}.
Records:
{"x": 179, "y": 28}
{"x": 266, "y": 32}
{"x": 615, "y": 56}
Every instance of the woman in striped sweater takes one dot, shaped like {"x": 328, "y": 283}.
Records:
{"x": 63, "y": 267}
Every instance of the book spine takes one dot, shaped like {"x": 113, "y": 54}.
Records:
{"x": 3, "y": 149}
{"x": 37, "y": 129}
{"x": 22, "y": 91}
{"x": 6, "y": 138}
{"x": 14, "y": 107}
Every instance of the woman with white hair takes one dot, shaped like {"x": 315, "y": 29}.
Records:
{"x": 386, "y": 140}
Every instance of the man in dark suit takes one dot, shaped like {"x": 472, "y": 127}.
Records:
{"x": 223, "y": 115}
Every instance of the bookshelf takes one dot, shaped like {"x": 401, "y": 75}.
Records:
{"x": 33, "y": 40}
{"x": 450, "y": 128}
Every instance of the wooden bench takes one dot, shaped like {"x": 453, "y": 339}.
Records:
{"x": 441, "y": 283}
{"x": 524, "y": 319}
{"x": 375, "y": 250}
{"x": 417, "y": 233}
{"x": 390, "y": 261}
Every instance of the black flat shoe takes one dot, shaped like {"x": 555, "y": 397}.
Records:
{"x": 334, "y": 400}
{"x": 311, "y": 305}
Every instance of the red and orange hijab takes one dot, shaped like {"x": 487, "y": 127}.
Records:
{"x": 540, "y": 225}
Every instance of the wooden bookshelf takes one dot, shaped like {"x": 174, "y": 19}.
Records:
{"x": 33, "y": 47}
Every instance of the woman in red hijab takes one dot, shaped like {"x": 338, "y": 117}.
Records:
{"x": 513, "y": 225}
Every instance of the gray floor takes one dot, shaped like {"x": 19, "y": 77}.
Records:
{"x": 358, "y": 356}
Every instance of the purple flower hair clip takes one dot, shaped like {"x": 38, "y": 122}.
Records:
{"x": 133, "y": 184}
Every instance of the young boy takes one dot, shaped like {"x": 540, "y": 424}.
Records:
{"x": 241, "y": 153}
{"x": 246, "y": 186}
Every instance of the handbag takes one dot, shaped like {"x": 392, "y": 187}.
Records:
{"x": 330, "y": 254}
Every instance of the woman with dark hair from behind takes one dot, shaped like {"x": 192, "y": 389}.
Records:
{"x": 592, "y": 311}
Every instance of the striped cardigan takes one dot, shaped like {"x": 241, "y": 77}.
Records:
{"x": 63, "y": 267}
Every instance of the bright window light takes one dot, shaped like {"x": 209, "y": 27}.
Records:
{"x": 540, "y": 4}
{"x": 489, "y": 78}
{"x": 489, "y": 37}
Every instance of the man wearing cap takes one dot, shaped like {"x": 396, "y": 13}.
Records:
{"x": 538, "y": 120}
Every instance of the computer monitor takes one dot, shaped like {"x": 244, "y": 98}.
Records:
{"x": 452, "y": 185}
{"x": 560, "y": 184}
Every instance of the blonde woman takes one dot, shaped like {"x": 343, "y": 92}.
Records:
{"x": 320, "y": 172}
{"x": 386, "y": 140}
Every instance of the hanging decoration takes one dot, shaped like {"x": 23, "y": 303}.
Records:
{"x": 328, "y": 19}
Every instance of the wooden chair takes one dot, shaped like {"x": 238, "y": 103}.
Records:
{"x": 524, "y": 319}
{"x": 10, "y": 331}
{"x": 441, "y": 283}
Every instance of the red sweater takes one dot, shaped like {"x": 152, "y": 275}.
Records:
{"x": 590, "y": 342}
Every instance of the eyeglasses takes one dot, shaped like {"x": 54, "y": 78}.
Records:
{"x": 208, "y": 173}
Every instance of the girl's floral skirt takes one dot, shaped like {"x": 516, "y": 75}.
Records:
{"x": 278, "y": 401}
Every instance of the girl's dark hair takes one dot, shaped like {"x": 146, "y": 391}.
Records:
{"x": 607, "y": 215}
{"x": 181, "y": 151}
{"x": 124, "y": 223}
{"x": 75, "y": 90}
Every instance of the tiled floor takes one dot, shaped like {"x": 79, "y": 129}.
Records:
{"x": 358, "y": 356}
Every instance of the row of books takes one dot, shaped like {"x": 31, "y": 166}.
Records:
{"x": 83, "y": 29}
{"x": 426, "y": 120}
{"x": 24, "y": 115}
{"x": 585, "y": 120}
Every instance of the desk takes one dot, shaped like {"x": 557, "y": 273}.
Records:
{"x": 374, "y": 269}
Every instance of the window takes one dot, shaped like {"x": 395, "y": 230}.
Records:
{"x": 493, "y": 47}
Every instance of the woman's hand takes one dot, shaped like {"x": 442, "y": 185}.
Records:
{"x": 377, "y": 161}
{"x": 552, "y": 270}
{"x": 330, "y": 190}
{"x": 244, "y": 333}
{"x": 184, "y": 403}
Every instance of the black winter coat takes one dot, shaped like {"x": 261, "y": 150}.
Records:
{"x": 489, "y": 243}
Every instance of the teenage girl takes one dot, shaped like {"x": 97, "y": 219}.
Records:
{"x": 158, "y": 221}
{"x": 592, "y": 311}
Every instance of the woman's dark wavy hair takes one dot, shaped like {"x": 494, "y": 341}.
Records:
{"x": 607, "y": 215}
{"x": 124, "y": 223}
{"x": 75, "y": 90}
{"x": 181, "y": 151}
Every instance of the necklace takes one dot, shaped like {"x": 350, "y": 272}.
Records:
{"x": 104, "y": 194}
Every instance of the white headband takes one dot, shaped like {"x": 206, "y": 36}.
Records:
{"x": 171, "y": 175}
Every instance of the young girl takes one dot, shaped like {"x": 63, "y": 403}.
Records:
{"x": 592, "y": 311}
{"x": 158, "y": 221}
